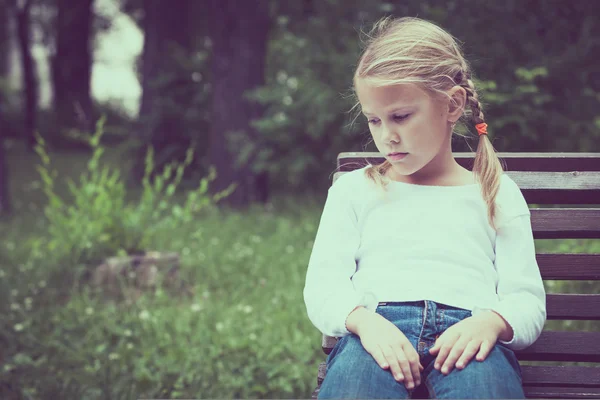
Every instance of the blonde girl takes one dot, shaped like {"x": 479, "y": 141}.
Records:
{"x": 426, "y": 271}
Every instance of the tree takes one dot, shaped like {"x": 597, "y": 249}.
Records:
{"x": 30, "y": 82}
{"x": 5, "y": 205}
{"x": 239, "y": 33}
{"x": 72, "y": 65}
{"x": 173, "y": 106}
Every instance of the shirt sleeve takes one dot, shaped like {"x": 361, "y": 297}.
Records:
{"x": 329, "y": 293}
{"x": 520, "y": 288}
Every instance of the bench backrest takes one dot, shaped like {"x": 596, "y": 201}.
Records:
{"x": 571, "y": 181}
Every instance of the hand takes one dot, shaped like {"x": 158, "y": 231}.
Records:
{"x": 390, "y": 348}
{"x": 463, "y": 340}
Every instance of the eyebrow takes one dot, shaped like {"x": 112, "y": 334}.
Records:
{"x": 393, "y": 110}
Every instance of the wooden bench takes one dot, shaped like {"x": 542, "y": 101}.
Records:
{"x": 571, "y": 181}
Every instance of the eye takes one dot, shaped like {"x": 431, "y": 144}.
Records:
{"x": 373, "y": 121}
{"x": 401, "y": 117}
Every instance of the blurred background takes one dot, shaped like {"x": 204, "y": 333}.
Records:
{"x": 163, "y": 167}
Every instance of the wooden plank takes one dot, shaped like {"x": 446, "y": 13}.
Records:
{"x": 550, "y": 346}
{"x": 532, "y": 392}
{"x": 558, "y": 187}
{"x": 569, "y": 266}
{"x": 563, "y": 346}
{"x": 322, "y": 371}
{"x": 560, "y": 223}
{"x": 573, "y": 306}
{"x": 565, "y": 223}
{"x": 575, "y": 180}
{"x": 514, "y": 161}
{"x": 328, "y": 343}
{"x": 538, "y": 381}
{"x": 561, "y": 376}
{"x": 552, "y": 187}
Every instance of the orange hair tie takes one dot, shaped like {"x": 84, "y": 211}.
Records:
{"x": 481, "y": 128}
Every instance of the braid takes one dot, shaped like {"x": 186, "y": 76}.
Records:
{"x": 487, "y": 166}
{"x": 473, "y": 101}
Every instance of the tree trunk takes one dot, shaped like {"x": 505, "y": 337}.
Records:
{"x": 239, "y": 45}
{"x": 4, "y": 43}
{"x": 167, "y": 30}
{"x": 30, "y": 83}
{"x": 168, "y": 89}
{"x": 72, "y": 66}
{"x": 5, "y": 206}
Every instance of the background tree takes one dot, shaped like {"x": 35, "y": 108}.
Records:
{"x": 239, "y": 32}
{"x": 71, "y": 65}
{"x": 173, "y": 112}
{"x": 5, "y": 205}
{"x": 22, "y": 11}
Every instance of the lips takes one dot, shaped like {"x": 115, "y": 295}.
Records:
{"x": 397, "y": 156}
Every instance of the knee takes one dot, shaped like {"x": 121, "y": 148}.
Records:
{"x": 498, "y": 376}
{"x": 353, "y": 373}
{"x": 351, "y": 358}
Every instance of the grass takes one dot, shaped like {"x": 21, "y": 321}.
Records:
{"x": 243, "y": 333}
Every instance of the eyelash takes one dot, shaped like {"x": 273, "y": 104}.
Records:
{"x": 396, "y": 117}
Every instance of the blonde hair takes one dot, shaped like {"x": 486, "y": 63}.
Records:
{"x": 412, "y": 50}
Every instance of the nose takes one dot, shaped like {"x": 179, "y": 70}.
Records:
{"x": 389, "y": 134}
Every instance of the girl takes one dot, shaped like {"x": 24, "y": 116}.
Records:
{"x": 425, "y": 270}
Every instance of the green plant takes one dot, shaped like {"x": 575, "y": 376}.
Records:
{"x": 95, "y": 219}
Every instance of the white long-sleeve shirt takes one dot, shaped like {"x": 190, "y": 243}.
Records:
{"x": 417, "y": 242}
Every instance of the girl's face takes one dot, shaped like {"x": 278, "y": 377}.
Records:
{"x": 405, "y": 119}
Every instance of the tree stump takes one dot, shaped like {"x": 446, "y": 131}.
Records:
{"x": 130, "y": 276}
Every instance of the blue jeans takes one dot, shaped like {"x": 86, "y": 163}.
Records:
{"x": 353, "y": 373}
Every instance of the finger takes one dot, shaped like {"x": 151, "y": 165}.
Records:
{"x": 415, "y": 366}
{"x": 436, "y": 347}
{"x": 392, "y": 360}
{"x": 455, "y": 353}
{"x": 404, "y": 364}
{"x": 379, "y": 358}
{"x": 444, "y": 350}
{"x": 468, "y": 354}
{"x": 484, "y": 351}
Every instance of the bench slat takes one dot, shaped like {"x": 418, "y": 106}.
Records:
{"x": 561, "y": 393}
{"x": 573, "y": 306}
{"x": 514, "y": 161}
{"x": 563, "y": 346}
{"x": 561, "y": 223}
{"x": 565, "y": 223}
{"x": 550, "y": 346}
{"x": 552, "y": 187}
{"x": 563, "y": 376}
{"x": 558, "y": 187}
{"x": 576, "y": 181}
{"x": 540, "y": 381}
{"x": 569, "y": 266}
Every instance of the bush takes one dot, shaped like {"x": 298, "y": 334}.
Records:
{"x": 114, "y": 226}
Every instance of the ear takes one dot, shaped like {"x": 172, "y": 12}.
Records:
{"x": 456, "y": 105}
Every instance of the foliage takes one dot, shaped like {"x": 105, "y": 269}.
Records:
{"x": 112, "y": 224}
{"x": 532, "y": 67}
